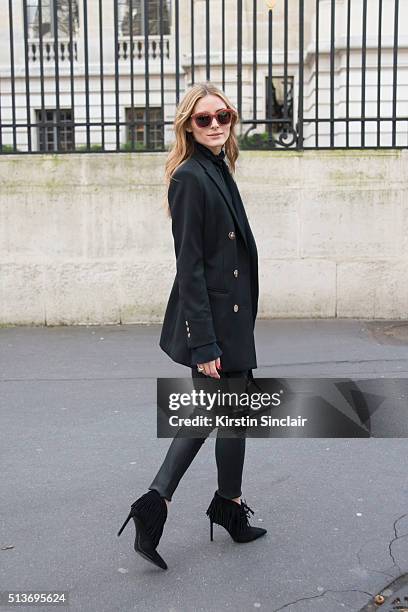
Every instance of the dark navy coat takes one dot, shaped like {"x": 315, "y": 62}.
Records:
{"x": 214, "y": 297}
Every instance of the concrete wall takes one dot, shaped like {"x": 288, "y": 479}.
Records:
{"x": 84, "y": 238}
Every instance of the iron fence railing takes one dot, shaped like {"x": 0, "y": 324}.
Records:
{"x": 106, "y": 75}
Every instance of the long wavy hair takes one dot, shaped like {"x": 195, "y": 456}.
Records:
{"x": 183, "y": 146}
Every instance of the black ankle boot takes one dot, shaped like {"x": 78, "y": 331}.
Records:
{"x": 149, "y": 513}
{"x": 234, "y": 518}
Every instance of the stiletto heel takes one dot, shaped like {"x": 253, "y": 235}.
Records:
{"x": 234, "y": 518}
{"x": 211, "y": 531}
{"x": 125, "y": 523}
{"x": 149, "y": 513}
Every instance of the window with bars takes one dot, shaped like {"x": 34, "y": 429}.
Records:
{"x": 131, "y": 14}
{"x": 139, "y": 129}
{"x": 47, "y": 131}
{"x": 47, "y": 18}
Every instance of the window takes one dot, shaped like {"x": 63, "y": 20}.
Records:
{"x": 156, "y": 132}
{"x": 138, "y": 14}
{"x": 47, "y": 18}
{"x": 47, "y": 136}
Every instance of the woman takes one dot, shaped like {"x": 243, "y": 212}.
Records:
{"x": 209, "y": 321}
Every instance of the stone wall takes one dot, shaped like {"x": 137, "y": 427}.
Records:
{"x": 84, "y": 238}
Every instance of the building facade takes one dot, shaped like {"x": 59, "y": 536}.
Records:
{"x": 107, "y": 75}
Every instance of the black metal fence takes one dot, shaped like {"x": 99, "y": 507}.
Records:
{"x": 106, "y": 75}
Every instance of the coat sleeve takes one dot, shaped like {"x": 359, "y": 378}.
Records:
{"x": 206, "y": 353}
{"x": 187, "y": 206}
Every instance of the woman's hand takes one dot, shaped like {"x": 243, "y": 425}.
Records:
{"x": 210, "y": 368}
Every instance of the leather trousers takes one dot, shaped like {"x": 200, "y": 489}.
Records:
{"x": 229, "y": 451}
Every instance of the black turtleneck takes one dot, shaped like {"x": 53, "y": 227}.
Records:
{"x": 217, "y": 159}
{"x": 223, "y": 171}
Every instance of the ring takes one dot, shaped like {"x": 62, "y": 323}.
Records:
{"x": 200, "y": 368}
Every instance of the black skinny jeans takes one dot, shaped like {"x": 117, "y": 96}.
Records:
{"x": 229, "y": 452}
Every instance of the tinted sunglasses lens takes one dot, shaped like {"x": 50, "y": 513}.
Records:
{"x": 224, "y": 117}
{"x": 203, "y": 120}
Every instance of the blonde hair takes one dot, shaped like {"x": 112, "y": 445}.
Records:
{"x": 183, "y": 146}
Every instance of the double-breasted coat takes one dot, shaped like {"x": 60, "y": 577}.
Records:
{"x": 214, "y": 297}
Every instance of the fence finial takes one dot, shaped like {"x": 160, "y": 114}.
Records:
{"x": 270, "y": 4}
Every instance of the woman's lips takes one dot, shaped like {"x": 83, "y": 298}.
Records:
{"x": 213, "y": 135}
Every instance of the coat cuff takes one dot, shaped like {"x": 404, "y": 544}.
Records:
{"x": 205, "y": 353}
{"x": 199, "y": 332}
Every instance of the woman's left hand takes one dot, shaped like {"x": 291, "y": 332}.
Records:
{"x": 210, "y": 368}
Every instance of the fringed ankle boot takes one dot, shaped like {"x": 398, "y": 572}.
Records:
{"x": 234, "y": 518}
{"x": 149, "y": 513}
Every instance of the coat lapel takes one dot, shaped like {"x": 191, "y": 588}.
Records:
{"x": 213, "y": 174}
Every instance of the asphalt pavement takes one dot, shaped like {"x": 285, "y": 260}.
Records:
{"x": 78, "y": 445}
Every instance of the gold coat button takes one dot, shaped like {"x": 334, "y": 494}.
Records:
{"x": 235, "y": 273}
{"x": 231, "y": 235}
{"x": 186, "y": 322}
{"x": 188, "y": 335}
{"x": 188, "y": 329}
{"x": 236, "y": 307}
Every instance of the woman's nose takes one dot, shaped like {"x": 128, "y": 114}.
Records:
{"x": 214, "y": 122}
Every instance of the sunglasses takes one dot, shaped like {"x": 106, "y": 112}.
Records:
{"x": 204, "y": 119}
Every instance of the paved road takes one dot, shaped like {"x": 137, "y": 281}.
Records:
{"x": 78, "y": 445}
